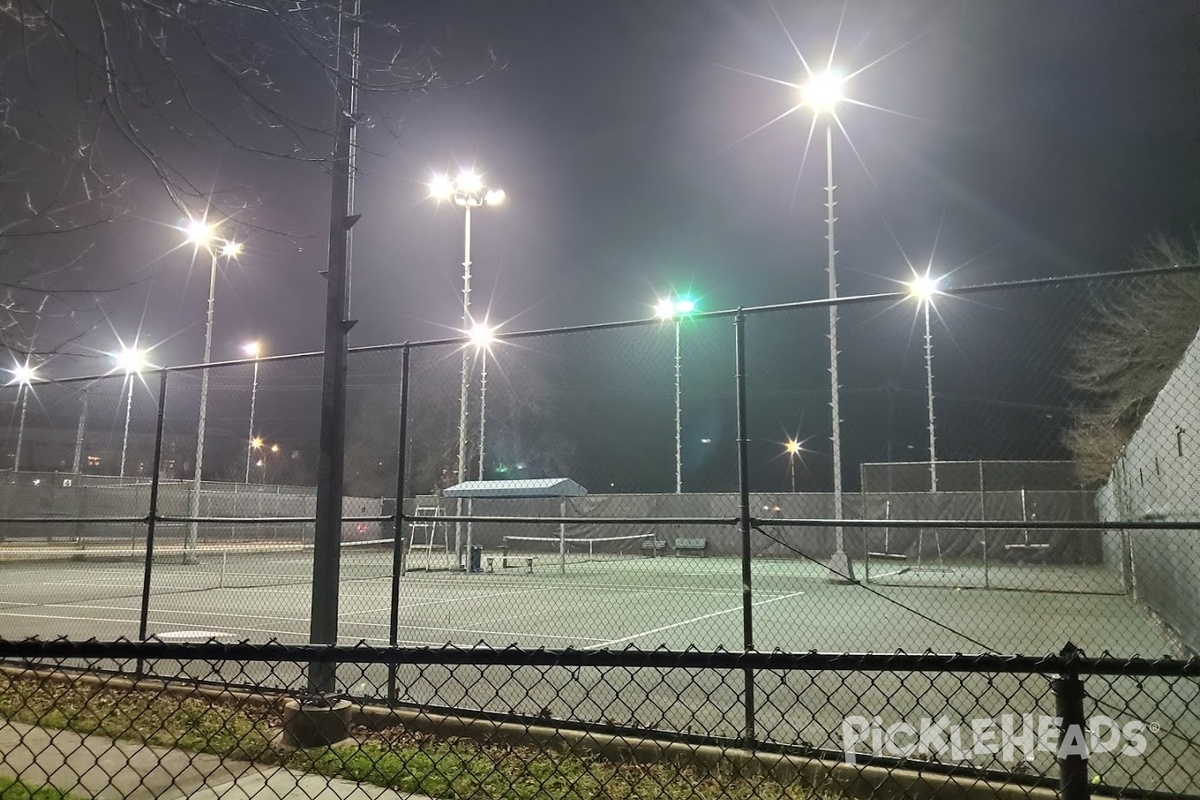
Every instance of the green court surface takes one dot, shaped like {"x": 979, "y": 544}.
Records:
{"x": 247, "y": 593}
{"x": 635, "y": 602}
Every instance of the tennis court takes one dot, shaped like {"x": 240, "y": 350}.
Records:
{"x": 624, "y": 599}
{"x": 237, "y": 593}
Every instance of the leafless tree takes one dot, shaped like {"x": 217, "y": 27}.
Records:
{"x": 93, "y": 92}
{"x": 1140, "y": 330}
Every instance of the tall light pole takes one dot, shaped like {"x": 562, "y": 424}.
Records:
{"x": 22, "y": 375}
{"x": 674, "y": 309}
{"x": 822, "y": 93}
{"x": 792, "y": 448}
{"x": 923, "y": 288}
{"x": 252, "y": 349}
{"x": 131, "y": 361}
{"x": 468, "y": 191}
{"x": 203, "y": 235}
{"x": 481, "y": 336}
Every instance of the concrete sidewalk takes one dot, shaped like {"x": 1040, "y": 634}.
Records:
{"x": 94, "y": 766}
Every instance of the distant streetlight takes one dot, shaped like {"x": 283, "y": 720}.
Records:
{"x": 131, "y": 361}
{"x": 468, "y": 191}
{"x": 792, "y": 448}
{"x": 674, "y": 309}
{"x": 822, "y": 93}
{"x": 204, "y": 235}
{"x": 252, "y": 349}
{"x": 263, "y": 448}
{"x": 923, "y": 288}
{"x": 22, "y": 376}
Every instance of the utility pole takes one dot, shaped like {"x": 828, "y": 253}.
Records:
{"x": 322, "y": 676}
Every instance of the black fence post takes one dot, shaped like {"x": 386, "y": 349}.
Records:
{"x": 1068, "y": 707}
{"x": 739, "y": 339}
{"x": 398, "y": 535}
{"x": 152, "y": 514}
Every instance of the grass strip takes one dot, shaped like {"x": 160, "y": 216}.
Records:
{"x": 13, "y": 789}
{"x": 395, "y": 758}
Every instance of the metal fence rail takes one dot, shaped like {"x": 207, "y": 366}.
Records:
{"x": 565, "y": 723}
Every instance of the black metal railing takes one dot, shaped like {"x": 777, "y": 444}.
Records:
{"x": 869, "y": 725}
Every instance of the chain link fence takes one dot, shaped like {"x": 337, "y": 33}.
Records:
{"x": 101, "y": 719}
{"x": 1018, "y": 474}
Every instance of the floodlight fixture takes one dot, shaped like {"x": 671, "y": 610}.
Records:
{"x": 823, "y": 91}
{"x": 199, "y": 232}
{"x": 130, "y": 359}
{"x": 924, "y": 287}
{"x": 468, "y": 180}
{"x": 441, "y": 187}
{"x": 482, "y": 335}
{"x": 22, "y": 374}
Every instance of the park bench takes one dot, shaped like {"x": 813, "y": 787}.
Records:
{"x": 652, "y": 546}
{"x": 690, "y": 547}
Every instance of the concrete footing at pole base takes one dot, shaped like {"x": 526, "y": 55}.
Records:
{"x": 316, "y": 725}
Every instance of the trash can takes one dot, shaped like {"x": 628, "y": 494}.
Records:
{"x": 475, "y": 559}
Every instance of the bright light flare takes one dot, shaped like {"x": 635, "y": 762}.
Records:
{"x": 672, "y": 307}
{"x": 22, "y": 374}
{"x": 469, "y": 181}
{"x": 494, "y": 197}
{"x": 130, "y": 359}
{"x": 823, "y": 91}
{"x": 924, "y": 287}
{"x": 792, "y": 447}
{"x": 199, "y": 232}
{"x": 482, "y": 335}
{"x": 274, "y": 448}
{"x": 252, "y": 349}
{"x": 231, "y": 249}
{"x": 256, "y": 442}
{"x": 441, "y": 187}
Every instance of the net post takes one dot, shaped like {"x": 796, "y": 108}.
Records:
{"x": 987, "y": 578}
{"x": 152, "y": 514}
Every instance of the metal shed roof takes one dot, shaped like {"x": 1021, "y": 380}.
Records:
{"x": 530, "y": 487}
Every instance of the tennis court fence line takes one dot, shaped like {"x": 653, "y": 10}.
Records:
{"x": 683, "y": 462}
{"x": 605, "y": 723}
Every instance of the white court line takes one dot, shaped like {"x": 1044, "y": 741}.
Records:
{"x": 480, "y": 633}
{"x": 689, "y": 622}
{"x": 160, "y": 611}
{"x": 158, "y": 623}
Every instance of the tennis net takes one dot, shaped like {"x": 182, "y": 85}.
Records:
{"x": 567, "y": 550}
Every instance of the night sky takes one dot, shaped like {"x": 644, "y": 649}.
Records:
{"x": 1038, "y": 139}
{"x": 1022, "y": 138}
